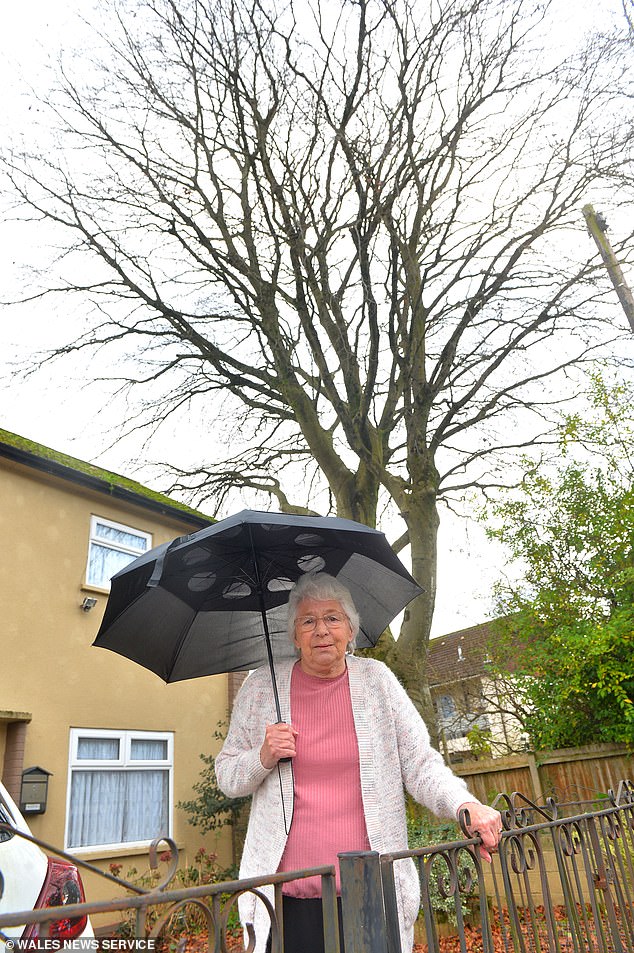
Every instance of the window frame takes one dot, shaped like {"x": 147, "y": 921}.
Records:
{"x": 125, "y": 761}
{"x": 93, "y": 538}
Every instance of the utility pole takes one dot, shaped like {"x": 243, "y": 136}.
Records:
{"x": 597, "y": 227}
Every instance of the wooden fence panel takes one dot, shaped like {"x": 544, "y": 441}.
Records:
{"x": 570, "y": 774}
{"x": 586, "y": 773}
{"x": 491, "y": 779}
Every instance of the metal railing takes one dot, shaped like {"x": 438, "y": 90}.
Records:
{"x": 558, "y": 884}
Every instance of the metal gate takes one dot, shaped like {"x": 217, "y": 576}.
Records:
{"x": 561, "y": 882}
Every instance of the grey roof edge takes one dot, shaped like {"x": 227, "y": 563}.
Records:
{"x": 39, "y": 457}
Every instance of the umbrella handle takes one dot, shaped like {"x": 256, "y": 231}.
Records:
{"x": 282, "y": 760}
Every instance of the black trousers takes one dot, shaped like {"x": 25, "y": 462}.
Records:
{"x": 304, "y": 926}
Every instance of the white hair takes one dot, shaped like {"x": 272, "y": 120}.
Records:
{"x": 323, "y": 587}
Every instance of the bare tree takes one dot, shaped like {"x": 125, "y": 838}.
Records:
{"x": 351, "y": 228}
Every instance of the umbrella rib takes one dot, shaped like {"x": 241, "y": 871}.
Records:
{"x": 179, "y": 643}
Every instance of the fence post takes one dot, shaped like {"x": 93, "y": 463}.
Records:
{"x": 538, "y": 792}
{"x": 362, "y": 902}
{"x": 392, "y": 926}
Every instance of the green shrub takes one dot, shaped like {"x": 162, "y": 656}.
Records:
{"x": 189, "y": 920}
{"x": 424, "y": 832}
{"x": 211, "y": 809}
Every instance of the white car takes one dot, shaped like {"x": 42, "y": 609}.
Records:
{"x": 29, "y": 879}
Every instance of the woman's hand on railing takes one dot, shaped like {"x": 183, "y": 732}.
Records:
{"x": 483, "y": 821}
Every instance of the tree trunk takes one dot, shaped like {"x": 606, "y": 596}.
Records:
{"x": 359, "y": 499}
{"x": 407, "y": 656}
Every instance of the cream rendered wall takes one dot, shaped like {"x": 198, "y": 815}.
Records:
{"x": 50, "y": 669}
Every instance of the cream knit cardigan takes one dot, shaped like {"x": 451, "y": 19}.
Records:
{"x": 394, "y": 752}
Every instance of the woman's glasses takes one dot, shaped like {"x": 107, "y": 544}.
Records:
{"x": 332, "y": 620}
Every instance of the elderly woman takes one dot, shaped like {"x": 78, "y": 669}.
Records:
{"x": 355, "y": 742}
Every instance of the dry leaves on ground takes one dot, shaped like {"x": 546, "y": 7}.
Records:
{"x": 472, "y": 942}
{"x": 450, "y": 944}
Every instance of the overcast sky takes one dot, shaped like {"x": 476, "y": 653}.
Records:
{"x": 54, "y": 408}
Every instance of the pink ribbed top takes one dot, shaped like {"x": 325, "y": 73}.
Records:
{"x": 328, "y": 815}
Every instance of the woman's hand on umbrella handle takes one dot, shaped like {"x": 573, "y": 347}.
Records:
{"x": 279, "y": 744}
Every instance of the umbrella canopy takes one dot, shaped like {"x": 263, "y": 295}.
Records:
{"x": 215, "y": 601}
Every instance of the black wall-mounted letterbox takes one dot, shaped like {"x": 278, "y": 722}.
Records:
{"x": 34, "y": 790}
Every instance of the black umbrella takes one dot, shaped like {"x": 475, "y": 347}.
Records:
{"x": 215, "y": 601}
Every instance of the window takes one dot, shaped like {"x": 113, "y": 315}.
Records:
{"x": 120, "y": 788}
{"x": 446, "y": 708}
{"x": 112, "y": 546}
